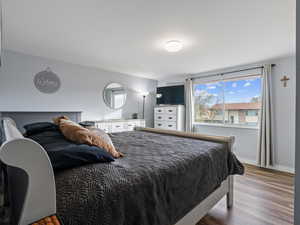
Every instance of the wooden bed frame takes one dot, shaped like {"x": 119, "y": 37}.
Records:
{"x": 37, "y": 197}
{"x": 226, "y": 188}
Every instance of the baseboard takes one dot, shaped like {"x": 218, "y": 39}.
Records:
{"x": 283, "y": 169}
{"x": 275, "y": 167}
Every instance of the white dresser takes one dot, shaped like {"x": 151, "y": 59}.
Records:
{"x": 169, "y": 117}
{"x": 114, "y": 126}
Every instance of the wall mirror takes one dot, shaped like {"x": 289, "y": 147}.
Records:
{"x": 114, "y": 95}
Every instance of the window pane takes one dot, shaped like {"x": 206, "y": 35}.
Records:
{"x": 119, "y": 100}
{"x": 242, "y": 100}
{"x": 206, "y": 97}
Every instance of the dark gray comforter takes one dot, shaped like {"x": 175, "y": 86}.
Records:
{"x": 160, "y": 179}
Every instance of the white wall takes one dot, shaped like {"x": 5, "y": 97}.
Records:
{"x": 284, "y": 113}
{"x": 283, "y": 121}
{"x": 246, "y": 139}
{"x": 81, "y": 88}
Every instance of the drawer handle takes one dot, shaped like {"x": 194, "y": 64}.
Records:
{"x": 118, "y": 126}
{"x": 130, "y": 125}
{"x": 170, "y": 110}
{"x": 159, "y": 117}
{"x": 170, "y": 118}
{"x": 159, "y": 124}
{"x": 159, "y": 110}
{"x": 170, "y": 126}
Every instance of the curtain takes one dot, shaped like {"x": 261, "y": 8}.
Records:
{"x": 189, "y": 105}
{"x": 265, "y": 146}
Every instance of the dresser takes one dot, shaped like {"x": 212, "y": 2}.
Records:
{"x": 114, "y": 126}
{"x": 170, "y": 117}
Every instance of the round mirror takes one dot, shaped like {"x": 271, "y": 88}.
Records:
{"x": 114, "y": 95}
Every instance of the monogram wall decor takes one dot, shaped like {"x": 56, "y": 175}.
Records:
{"x": 47, "y": 81}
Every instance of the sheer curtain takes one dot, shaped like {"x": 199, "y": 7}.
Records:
{"x": 265, "y": 143}
{"x": 189, "y": 105}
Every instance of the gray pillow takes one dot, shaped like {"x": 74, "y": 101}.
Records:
{"x": 102, "y": 134}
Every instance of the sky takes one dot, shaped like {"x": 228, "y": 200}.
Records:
{"x": 235, "y": 91}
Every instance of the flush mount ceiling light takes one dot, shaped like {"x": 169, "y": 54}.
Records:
{"x": 173, "y": 46}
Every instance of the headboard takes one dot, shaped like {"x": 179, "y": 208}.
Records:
{"x": 23, "y": 118}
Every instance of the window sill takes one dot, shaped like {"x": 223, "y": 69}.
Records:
{"x": 226, "y": 126}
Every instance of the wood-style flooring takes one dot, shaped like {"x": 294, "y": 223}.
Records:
{"x": 261, "y": 197}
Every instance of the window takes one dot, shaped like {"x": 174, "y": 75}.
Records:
{"x": 208, "y": 100}
{"x": 231, "y": 101}
{"x": 119, "y": 100}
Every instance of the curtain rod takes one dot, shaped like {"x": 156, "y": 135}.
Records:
{"x": 234, "y": 71}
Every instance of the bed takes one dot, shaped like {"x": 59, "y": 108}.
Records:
{"x": 165, "y": 178}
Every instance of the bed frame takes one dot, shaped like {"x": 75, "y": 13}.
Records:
{"x": 226, "y": 188}
{"x": 32, "y": 183}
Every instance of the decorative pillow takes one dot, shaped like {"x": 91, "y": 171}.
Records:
{"x": 34, "y": 128}
{"x": 64, "y": 154}
{"x": 104, "y": 136}
{"x": 76, "y": 133}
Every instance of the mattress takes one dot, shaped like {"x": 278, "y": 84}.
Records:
{"x": 160, "y": 179}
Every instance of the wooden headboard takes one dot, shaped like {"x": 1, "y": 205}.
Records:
{"x": 23, "y": 118}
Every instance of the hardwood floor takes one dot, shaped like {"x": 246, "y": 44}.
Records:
{"x": 261, "y": 197}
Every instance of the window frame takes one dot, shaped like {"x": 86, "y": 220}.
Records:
{"x": 223, "y": 80}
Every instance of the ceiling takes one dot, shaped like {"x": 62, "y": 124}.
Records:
{"x": 129, "y": 36}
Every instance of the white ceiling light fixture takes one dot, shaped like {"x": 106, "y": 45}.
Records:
{"x": 173, "y": 46}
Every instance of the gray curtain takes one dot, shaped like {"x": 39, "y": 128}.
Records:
{"x": 265, "y": 145}
{"x": 189, "y": 105}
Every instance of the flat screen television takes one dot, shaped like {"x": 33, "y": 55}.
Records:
{"x": 172, "y": 95}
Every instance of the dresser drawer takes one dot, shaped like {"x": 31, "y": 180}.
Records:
{"x": 170, "y": 117}
{"x": 159, "y": 110}
{"x": 165, "y": 125}
{"x": 129, "y": 126}
{"x": 170, "y": 126}
{"x": 142, "y": 123}
{"x": 159, "y": 117}
{"x": 159, "y": 125}
{"x": 117, "y": 127}
{"x": 170, "y": 110}
{"x": 104, "y": 126}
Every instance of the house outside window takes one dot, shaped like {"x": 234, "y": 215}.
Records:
{"x": 228, "y": 102}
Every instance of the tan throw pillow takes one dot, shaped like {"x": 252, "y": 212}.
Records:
{"x": 76, "y": 133}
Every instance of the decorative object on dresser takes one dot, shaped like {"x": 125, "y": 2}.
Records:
{"x": 115, "y": 126}
{"x": 169, "y": 117}
{"x": 135, "y": 116}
